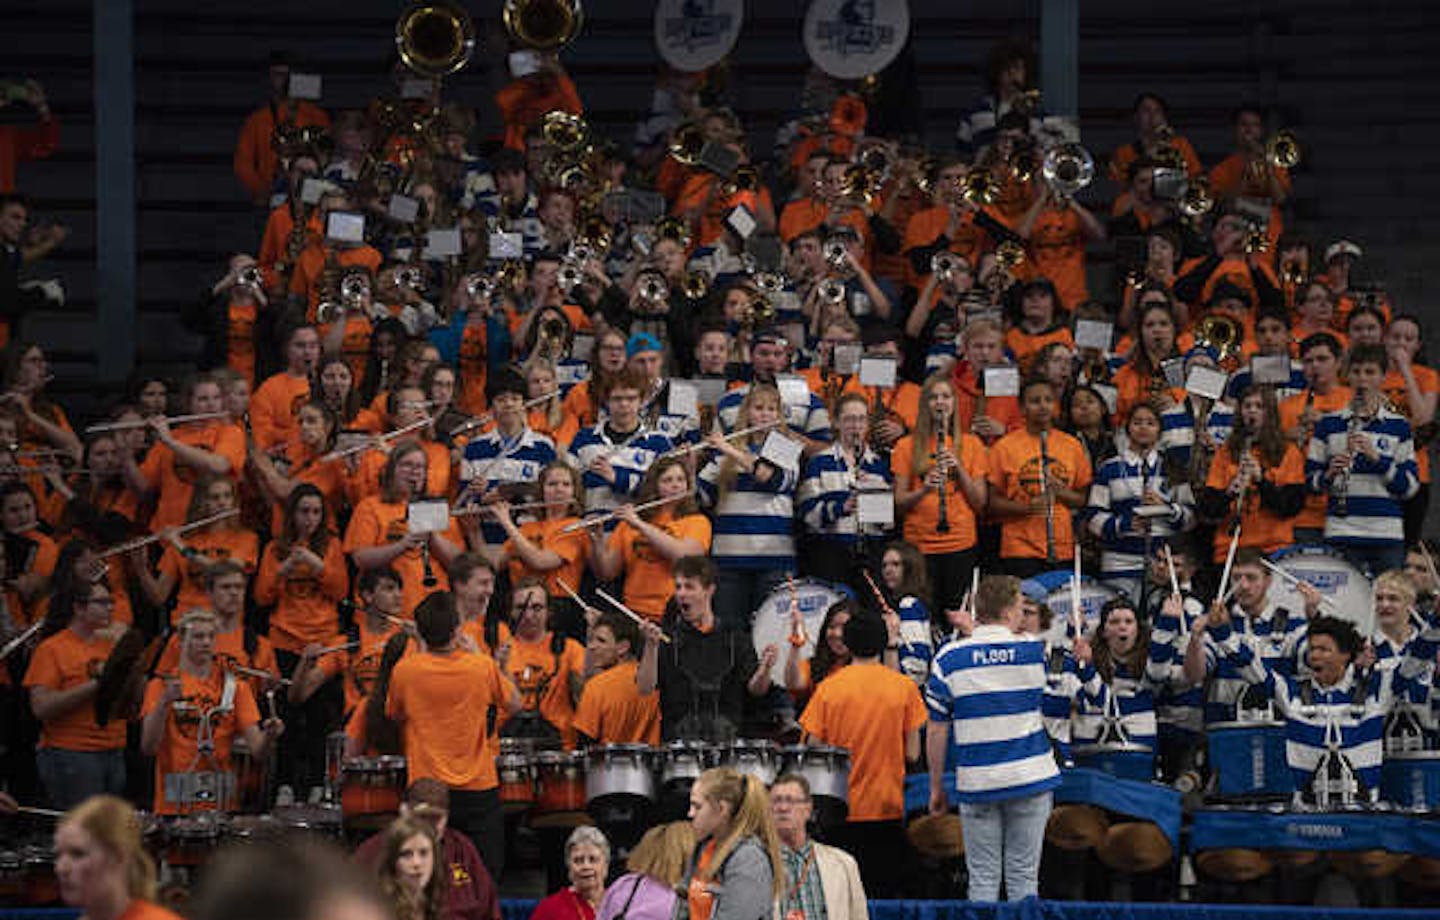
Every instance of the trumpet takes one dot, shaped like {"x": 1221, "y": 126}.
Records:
{"x": 479, "y": 287}
{"x": 769, "y": 283}
{"x": 569, "y": 276}
{"x": 673, "y": 228}
{"x": 1198, "y": 199}
{"x": 596, "y": 234}
{"x": 746, "y": 179}
{"x": 686, "y": 144}
{"x": 407, "y": 277}
{"x": 1282, "y": 150}
{"x": 545, "y": 25}
{"x": 831, "y": 291}
{"x": 1009, "y": 254}
{"x": 944, "y": 265}
{"x": 836, "y": 253}
{"x": 652, "y": 288}
{"x": 1291, "y": 272}
{"x": 1255, "y": 240}
{"x": 696, "y": 284}
{"x": 1067, "y": 169}
{"x": 250, "y": 277}
{"x": 980, "y": 187}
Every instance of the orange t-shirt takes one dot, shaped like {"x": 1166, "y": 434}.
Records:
{"x": 543, "y": 678}
{"x": 1057, "y": 251}
{"x": 1132, "y": 388}
{"x": 561, "y": 434}
{"x": 376, "y": 523}
{"x": 449, "y": 704}
{"x": 573, "y": 547}
{"x": 306, "y": 279}
{"x": 362, "y": 666}
{"x": 649, "y": 583}
{"x": 868, "y": 709}
{"x": 229, "y": 648}
{"x": 699, "y": 893}
{"x": 903, "y": 399}
{"x": 274, "y": 409}
{"x": 1015, "y": 474}
{"x": 213, "y": 545}
{"x": 473, "y": 365}
{"x": 365, "y": 481}
{"x": 141, "y": 909}
{"x": 1121, "y": 159}
{"x": 924, "y": 228}
{"x": 175, "y": 481}
{"x": 42, "y": 562}
{"x": 179, "y": 751}
{"x": 1260, "y": 527}
{"x": 304, "y": 600}
{"x": 475, "y": 630}
{"x": 612, "y": 711}
{"x": 1429, "y": 382}
{"x": 971, "y": 401}
{"x": 920, "y": 521}
{"x": 1026, "y": 345}
{"x": 1291, "y": 408}
{"x": 255, "y": 159}
{"x": 327, "y": 476}
{"x": 65, "y": 661}
{"x": 806, "y": 214}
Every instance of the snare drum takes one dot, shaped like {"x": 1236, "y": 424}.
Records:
{"x": 1248, "y": 759}
{"x": 760, "y": 759}
{"x": 682, "y": 762}
{"x": 1411, "y": 779}
{"x": 1123, "y": 761}
{"x": 560, "y": 777}
{"x": 827, "y": 769}
{"x": 41, "y": 887}
{"x": 372, "y": 787}
{"x": 620, "y": 770}
{"x": 191, "y": 840}
{"x": 516, "y": 770}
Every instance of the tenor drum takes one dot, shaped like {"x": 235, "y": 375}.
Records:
{"x": 1076, "y": 827}
{"x": 1248, "y": 759}
{"x": 772, "y": 619}
{"x": 682, "y": 762}
{"x": 1411, "y": 779}
{"x": 827, "y": 770}
{"x": 760, "y": 759}
{"x": 1135, "y": 847}
{"x": 620, "y": 770}
{"x": 40, "y": 886}
{"x": 372, "y": 788}
{"x": 320, "y": 820}
{"x": 560, "y": 780}
{"x": 1235, "y": 864}
{"x": 516, "y": 769}
{"x": 1334, "y": 575}
{"x": 1123, "y": 761}
{"x": 247, "y": 828}
{"x": 1368, "y": 865}
{"x": 191, "y": 840}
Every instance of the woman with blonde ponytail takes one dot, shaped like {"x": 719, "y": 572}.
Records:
{"x": 101, "y": 865}
{"x": 736, "y": 871}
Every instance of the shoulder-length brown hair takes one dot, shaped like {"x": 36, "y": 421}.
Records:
{"x": 388, "y": 492}
{"x": 432, "y": 899}
{"x": 650, "y": 489}
{"x": 1270, "y": 439}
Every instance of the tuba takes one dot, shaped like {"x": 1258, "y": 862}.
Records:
{"x": 1221, "y": 333}
{"x": 435, "y": 38}
{"x": 544, "y": 25}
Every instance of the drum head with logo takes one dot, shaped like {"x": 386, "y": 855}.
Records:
{"x": 1093, "y": 596}
{"x": 772, "y": 620}
{"x": 852, "y": 39}
{"x": 1334, "y": 575}
{"x": 692, "y": 35}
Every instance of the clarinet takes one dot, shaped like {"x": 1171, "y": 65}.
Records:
{"x": 1246, "y": 443}
{"x": 428, "y": 580}
{"x": 1049, "y": 499}
{"x": 942, "y": 522}
{"x": 1340, "y": 485}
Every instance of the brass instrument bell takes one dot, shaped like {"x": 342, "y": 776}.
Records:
{"x": 1282, "y": 150}
{"x": 1068, "y": 168}
{"x": 544, "y": 25}
{"x": 686, "y": 144}
{"x": 435, "y": 38}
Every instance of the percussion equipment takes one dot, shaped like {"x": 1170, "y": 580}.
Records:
{"x": 190, "y": 840}
{"x": 40, "y": 885}
{"x": 1369, "y": 864}
{"x": 560, "y": 779}
{"x": 322, "y": 820}
{"x": 827, "y": 770}
{"x": 516, "y": 769}
{"x": 372, "y": 787}
{"x": 253, "y": 827}
{"x": 1236, "y": 864}
{"x": 937, "y": 837}
{"x": 682, "y": 762}
{"x": 1126, "y": 760}
{"x": 760, "y": 759}
{"x": 1411, "y": 779}
{"x": 12, "y": 877}
{"x": 851, "y": 41}
{"x": 772, "y": 624}
{"x": 1093, "y": 596}
{"x": 1249, "y": 759}
{"x": 1334, "y": 575}
{"x": 619, "y": 770}
{"x": 1135, "y": 847}
{"x": 1076, "y": 826}
{"x": 692, "y": 42}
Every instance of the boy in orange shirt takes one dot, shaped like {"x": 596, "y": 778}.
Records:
{"x": 874, "y": 712}
{"x": 611, "y": 709}
{"x": 275, "y": 405}
{"x": 1037, "y": 475}
{"x": 548, "y": 668}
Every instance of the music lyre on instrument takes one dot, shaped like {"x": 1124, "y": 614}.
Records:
{"x": 135, "y": 544}
{"x": 607, "y": 518}
{"x": 378, "y": 439}
{"x": 639, "y": 620}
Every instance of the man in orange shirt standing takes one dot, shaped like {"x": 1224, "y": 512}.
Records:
{"x": 77, "y": 757}
{"x": 1037, "y": 475}
{"x": 874, "y": 712}
{"x": 1320, "y": 359}
{"x": 275, "y": 405}
{"x": 256, "y": 161}
{"x": 448, "y": 703}
{"x": 611, "y": 709}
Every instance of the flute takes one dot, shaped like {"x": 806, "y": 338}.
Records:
{"x": 691, "y": 448}
{"x": 155, "y": 537}
{"x": 379, "y": 439}
{"x": 470, "y": 510}
{"x": 639, "y": 620}
{"x": 145, "y": 422}
{"x": 30, "y": 631}
{"x": 1325, "y": 599}
{"x": 607, "y": 518}
{"x": 485, "y": 418}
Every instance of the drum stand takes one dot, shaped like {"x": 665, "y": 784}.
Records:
{"x": 1334, "y": 784}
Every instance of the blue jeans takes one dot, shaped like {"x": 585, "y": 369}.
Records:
{"x": 71, "y": 777}
{"x": 1004, "y": 838}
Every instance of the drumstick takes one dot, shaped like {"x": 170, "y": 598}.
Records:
{"x": 132, "y": 545}
{"x": 1076, "y": 619}
{"x": 361, "y": 448}
{"x": 1170, "y": 562}
{"x": 606, "y": 518}
{"x": 875, "y": 589}
{"x": 639, "y": 620}
{"x": 40, "y": 812}
{"x": 21, "y": 639}
{"x": 573, "y": 596}
{"x": 1229, "y": 562}
{"x": 259, "y": 674}
{"x": 1430, "y": 564}
{"x": 1325, "y": 600}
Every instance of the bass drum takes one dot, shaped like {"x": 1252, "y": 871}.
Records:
{"x": 1054, "y": 587}
{"x": 693, "y": 37}
{"x": 1334, "y": 575}
{"x": 772, "y": 620}
{"x": 851, "y": 41}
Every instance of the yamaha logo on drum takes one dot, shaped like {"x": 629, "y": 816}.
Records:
{"x": 697, "y": 26}
{"x": 854, "y": 30}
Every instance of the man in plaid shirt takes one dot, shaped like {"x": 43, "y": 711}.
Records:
{"x": 821, "y": 882}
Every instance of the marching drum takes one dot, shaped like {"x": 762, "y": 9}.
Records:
{"x": 1135, "y": 847}
{"x": 760, "y": 759}
{"x": 827, "y": 770}
{"x": 41, "y": 887}
{"x": 313, "y": 819}
{"x": 516, "y": 770}
{"x": 620, "y": 770}
{"x": 190, "y": 840}
{"x": 1093, "y": 596}
{"x": 1333, "y": 575}
{"x": 682, "y": 762}
{"x": 372, "y": 788}
{"x": 772, "y": 619}
{"x": 1248, "y": 759}
{"x": 1411, "y": 779}
{"x": 1123, "y": 760}
{"x": 560, "y": 778}
{"x": 1076, "y": 827}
